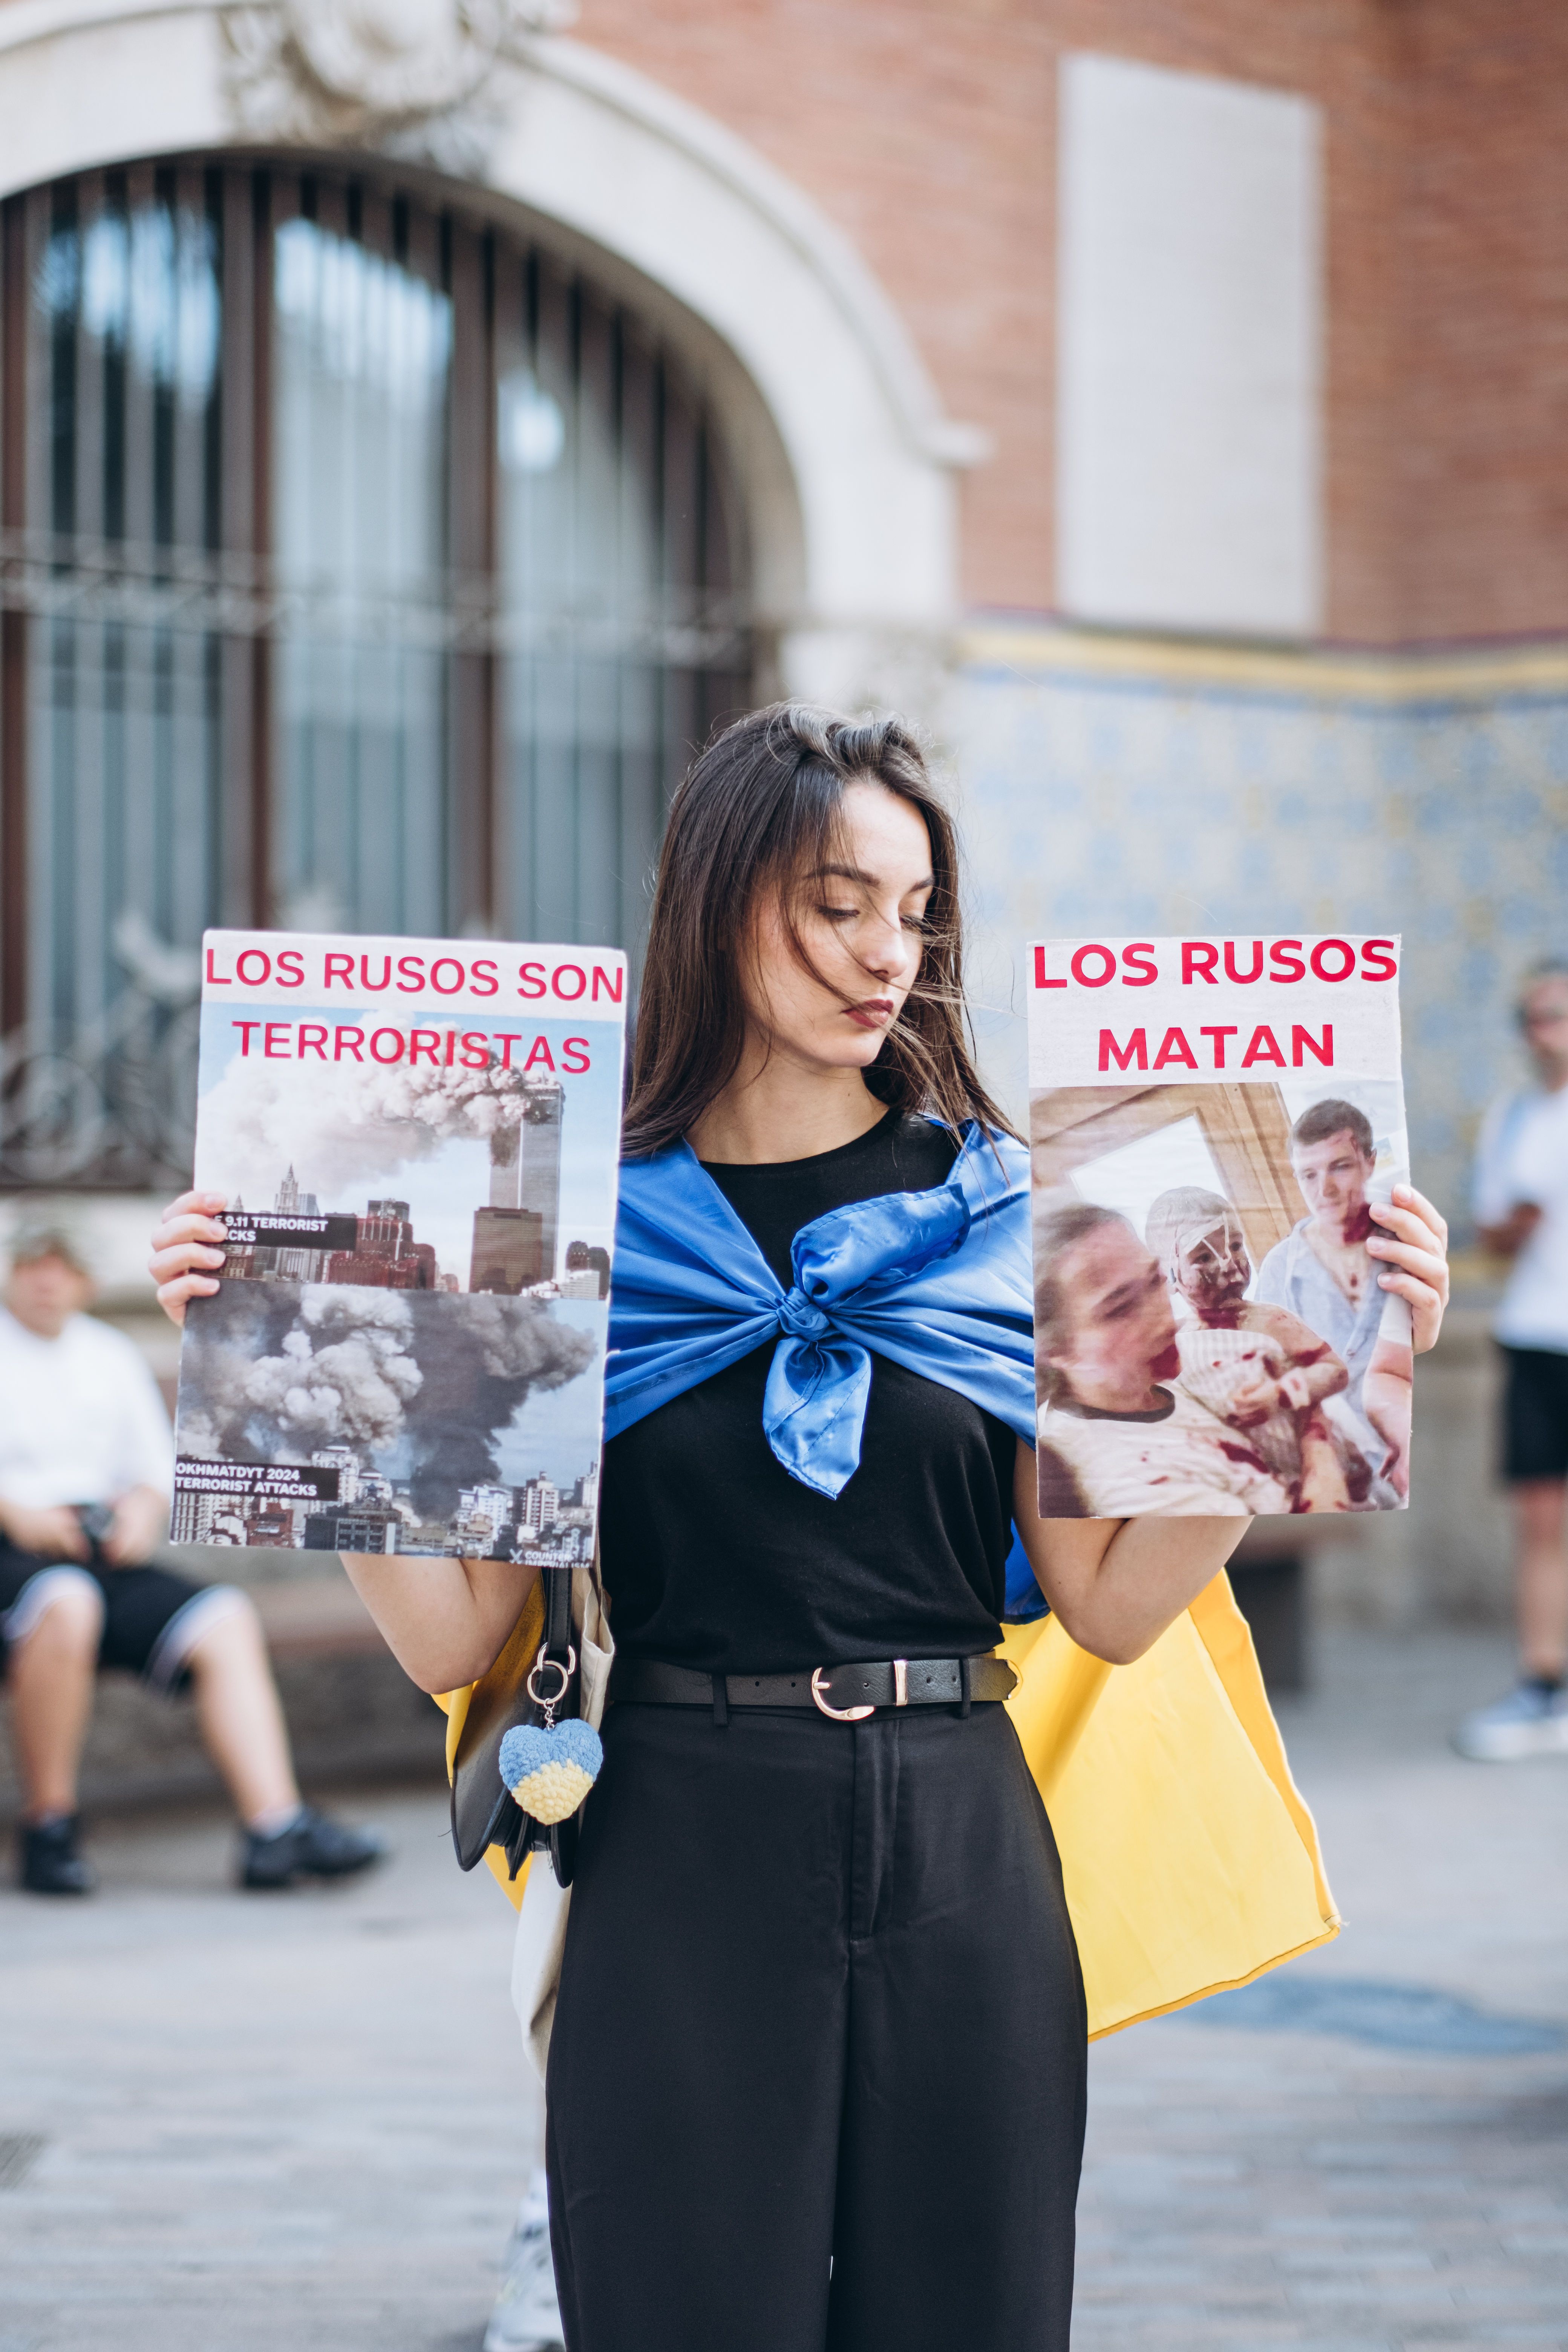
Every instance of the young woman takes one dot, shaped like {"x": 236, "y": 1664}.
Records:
{"x": 816, "y": 2075}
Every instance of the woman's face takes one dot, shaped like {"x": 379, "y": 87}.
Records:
{"x": 860, "y": 921}
{"x": 1119, "y": 1316}
{"x": 1212, "y": 1270}
{"x": 1544, "y": 1017}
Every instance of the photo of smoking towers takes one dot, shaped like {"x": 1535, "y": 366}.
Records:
{"x": 412, "y": 1318}
{"x": 408, "y": 1404}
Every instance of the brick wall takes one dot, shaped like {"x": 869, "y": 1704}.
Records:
{"x": 925, "y": 127}
{"x": 927, "y": 132}
{"x": 1484, "y": 456}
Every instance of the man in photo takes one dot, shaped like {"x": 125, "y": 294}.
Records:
{"x": 86, "y": 1472}
{"x": 1322, "y": 1272}
{"x": 1254, "y": 1366}
{"x": 1113, "y": 1409}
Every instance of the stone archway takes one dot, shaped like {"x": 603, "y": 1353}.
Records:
{"x": 847, "y": 463}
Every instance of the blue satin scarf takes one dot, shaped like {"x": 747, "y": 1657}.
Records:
{"x": 939, "y": 1281}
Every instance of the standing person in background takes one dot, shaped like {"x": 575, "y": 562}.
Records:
{"x": 1522, "y": 1211}
{"x": 86, "y": 1474}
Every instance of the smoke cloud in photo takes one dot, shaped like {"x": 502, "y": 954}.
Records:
{"x": 273, "y": 1374}
{"x": 353, "y": 1125}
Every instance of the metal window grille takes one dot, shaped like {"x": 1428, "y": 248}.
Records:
{"x": 361, "y": 566}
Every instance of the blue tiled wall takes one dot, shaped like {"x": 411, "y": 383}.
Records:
{"x": 1139, "y": 804}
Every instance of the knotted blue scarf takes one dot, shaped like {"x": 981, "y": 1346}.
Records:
{"x": 939, "y": 1281}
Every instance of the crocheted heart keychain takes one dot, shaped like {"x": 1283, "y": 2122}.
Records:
{"x": 550, "y": 1767}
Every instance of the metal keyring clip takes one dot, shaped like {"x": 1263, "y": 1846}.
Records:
{"x": 565, "y": 1672}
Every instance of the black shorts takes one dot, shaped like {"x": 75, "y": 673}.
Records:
{"x": 150, "y": 1616}
{"x": 1534, "y": 1413}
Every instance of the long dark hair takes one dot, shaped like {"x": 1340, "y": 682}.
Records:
{"x": 761, "y": 806}
{"x": 1055, "y": 1232}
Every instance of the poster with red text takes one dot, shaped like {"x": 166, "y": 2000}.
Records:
{"x": 417, "y": 1141}
{"x": 1210, "y": 1123}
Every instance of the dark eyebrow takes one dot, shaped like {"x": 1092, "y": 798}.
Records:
{"x": 858, "y": 874}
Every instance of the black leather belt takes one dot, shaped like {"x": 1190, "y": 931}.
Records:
{"x": 847, "y": 1694}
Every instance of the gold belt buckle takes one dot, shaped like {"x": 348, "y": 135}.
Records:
{"x": 838, "y": 1714}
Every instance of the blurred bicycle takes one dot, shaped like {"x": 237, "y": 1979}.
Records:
{"x": 117, "y": 1102}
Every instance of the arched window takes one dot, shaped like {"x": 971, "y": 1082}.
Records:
{"x": 362, "y": 566}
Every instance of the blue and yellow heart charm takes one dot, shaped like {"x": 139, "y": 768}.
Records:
{"x": 550, "y": 1767}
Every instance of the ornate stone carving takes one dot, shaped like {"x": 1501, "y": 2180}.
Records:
{"x": 425, "y": 78}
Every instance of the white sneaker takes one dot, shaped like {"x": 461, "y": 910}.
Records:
{"x": 1531, "y": 1721}
{"x": 527, "y": 2316}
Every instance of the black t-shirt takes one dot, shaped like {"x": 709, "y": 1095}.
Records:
{"x": 715, "y": 1558}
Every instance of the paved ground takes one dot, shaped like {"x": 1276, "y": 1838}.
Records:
{"x": 304, "y": 2123}
{"x": 272, "y": 2124}
{"x": 1250, "y": 2189}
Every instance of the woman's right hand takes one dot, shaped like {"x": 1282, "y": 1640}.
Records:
{"x": 187, "y": 1252}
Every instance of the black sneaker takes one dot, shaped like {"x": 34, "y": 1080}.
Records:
{"x": 311, "y": 1847}
{"x": 49, "y": 1863}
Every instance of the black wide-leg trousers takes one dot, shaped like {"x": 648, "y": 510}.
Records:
{"x": 817, "y": 2076}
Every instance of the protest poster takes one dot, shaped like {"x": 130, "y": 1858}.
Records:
{"x": 1210, "y": 1120}
{"x": 418, "y": 1142}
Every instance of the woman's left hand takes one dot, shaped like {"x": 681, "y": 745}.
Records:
{"x": 1414, "y": 1252}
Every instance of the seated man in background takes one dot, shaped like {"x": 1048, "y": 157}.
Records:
{"x": 86, "y": 1475}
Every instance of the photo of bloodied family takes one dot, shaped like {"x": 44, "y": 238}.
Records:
{"x": 1211, "y": 1339}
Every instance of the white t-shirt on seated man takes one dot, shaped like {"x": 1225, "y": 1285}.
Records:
{"x": 81, "y": 1421}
